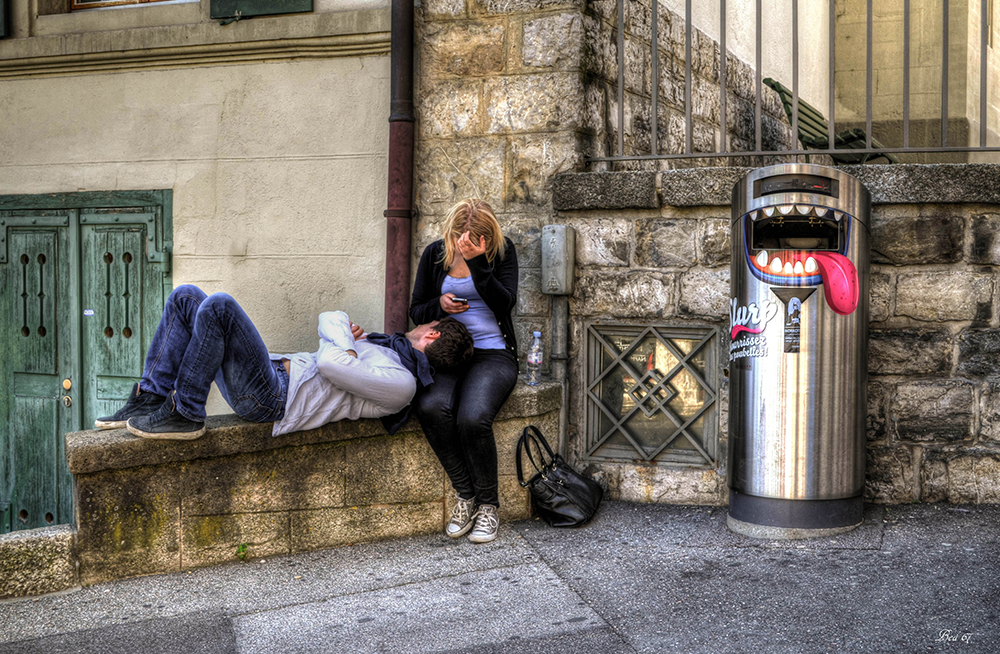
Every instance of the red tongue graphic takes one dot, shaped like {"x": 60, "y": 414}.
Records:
{"x": 840, "y": 281}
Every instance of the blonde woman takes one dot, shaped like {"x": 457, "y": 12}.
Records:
{"x": 470, "y": 275}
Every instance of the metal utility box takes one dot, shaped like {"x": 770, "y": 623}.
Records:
{"x": 558, "y": 259}
{"x": 798, "y": 352}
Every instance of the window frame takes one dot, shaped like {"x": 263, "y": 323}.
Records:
{"x": 76, "y": 5}
{"x": 597, "y": 446}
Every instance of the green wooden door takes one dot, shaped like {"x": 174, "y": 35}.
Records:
{"x": 81, "y": 292}
{"x": 123, "y": 294}
{"x": 36, "y": 355}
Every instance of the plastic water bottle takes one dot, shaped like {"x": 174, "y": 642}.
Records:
{"x": 534, "y": 374}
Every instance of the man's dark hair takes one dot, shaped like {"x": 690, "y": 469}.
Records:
{"x": 453, "y": 348}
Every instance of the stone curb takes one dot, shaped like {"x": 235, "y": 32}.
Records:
{"x": 889, "y": 184}
{"x": 38, "y": 561}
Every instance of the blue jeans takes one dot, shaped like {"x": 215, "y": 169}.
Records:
{"x": 205, "y": 338}
{"x": 456, "y": 413}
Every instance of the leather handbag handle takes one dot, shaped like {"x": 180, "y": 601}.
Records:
{"x": 521, "y": 444}
{"x": 537, "y": 435}
{"x": 525, "y": 442}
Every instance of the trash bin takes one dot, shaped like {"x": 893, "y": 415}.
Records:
{"x": 798, "y": 353}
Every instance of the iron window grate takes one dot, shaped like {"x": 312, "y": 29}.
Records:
{"x": 651, "y": 394}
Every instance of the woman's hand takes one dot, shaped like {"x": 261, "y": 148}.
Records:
{"x": 468, "y": 248}
{"x": 357, "y": 332}
{"x": 449, "y": 306}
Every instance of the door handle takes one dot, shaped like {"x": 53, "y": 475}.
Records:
{"x": 67, "y": 384}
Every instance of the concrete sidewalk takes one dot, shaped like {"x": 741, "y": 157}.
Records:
{"x": 640, "y": 578}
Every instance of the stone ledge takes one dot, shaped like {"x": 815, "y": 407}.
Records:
{"x": 146, "y": 507}
{"x": 619, "y": 190}
{"x": 889, "y": 184}
{"x": 93, "y": 451}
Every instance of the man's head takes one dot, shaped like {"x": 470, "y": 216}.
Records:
{"x": 447, "y": 343}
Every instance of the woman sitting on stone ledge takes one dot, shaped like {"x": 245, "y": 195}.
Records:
{"x": 471, "y": 275}
{"x": 204, "y": 338}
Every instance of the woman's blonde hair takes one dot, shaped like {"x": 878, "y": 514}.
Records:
{"x": 477, "y": 218}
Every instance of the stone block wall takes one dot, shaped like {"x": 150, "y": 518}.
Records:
{"x": 500, "y": 110}
{"x": 146, "y": 507}
{"x": 513, "y": 97}
{"x": 653, "y": 248}
{"x": 512, "y": 93}
{"x": 600, "y": 68}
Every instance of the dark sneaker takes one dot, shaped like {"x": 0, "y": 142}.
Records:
{"x": 462, "y": 517}
{"x": 140, "y": 403}
{"x": 166, "y": 423}
{"x": 485, "y": 529}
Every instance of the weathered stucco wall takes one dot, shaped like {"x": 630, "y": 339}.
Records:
{"x": 654, "y": 249}
{"x": 276, "y": 153}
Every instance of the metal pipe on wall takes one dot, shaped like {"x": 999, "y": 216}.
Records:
{"x": 558, "y": 261}
{"x": 398, "y": 213}
{"x": 560, "y": 356}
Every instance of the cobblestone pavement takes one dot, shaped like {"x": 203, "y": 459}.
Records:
{"x": 640, "y": 578}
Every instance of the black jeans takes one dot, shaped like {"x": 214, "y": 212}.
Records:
{"x": 457, "y": 412}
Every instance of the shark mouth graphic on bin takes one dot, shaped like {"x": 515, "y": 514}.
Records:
{"x": 805, "y": 267}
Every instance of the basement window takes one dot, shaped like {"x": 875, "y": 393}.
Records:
{"x": 651, "y": 394}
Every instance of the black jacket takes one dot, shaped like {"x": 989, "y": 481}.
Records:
{"x": 496, "y": 283}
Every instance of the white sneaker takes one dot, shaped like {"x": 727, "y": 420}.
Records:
{"x": 487, "y": 524}
{"x": 461, "y": 517}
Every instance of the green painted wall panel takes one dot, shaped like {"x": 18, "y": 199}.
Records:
{"x": 33, "y": 265}
{"x": 34, "y": 427}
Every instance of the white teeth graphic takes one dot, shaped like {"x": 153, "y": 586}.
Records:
{"x": 820, "y": 211}
{"x": 802, "y": 209}
{"x": 785, "y": 209}
{"x": 776, "y": 265}
{"x": 788, "y": 268}
{"x": 762, "y": 259}
{"x": 811, "y": 265}
{"x": 838, "y": 216}
{"x": 754, "y": 215}
{"x": 798, "y": 268}
{"x": 768, "y": 211}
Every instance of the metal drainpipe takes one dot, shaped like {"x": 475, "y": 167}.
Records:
{"x": 560, "y": 327}
{"x": 398, "y": 213}
{"x": 558, "y": 262}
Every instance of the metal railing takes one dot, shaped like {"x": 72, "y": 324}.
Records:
{"x": 689, "y": 152}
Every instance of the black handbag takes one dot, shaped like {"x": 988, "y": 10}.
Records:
{"x": 561, "y": 495}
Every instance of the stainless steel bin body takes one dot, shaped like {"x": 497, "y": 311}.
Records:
{"x": 798, "y": 352}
